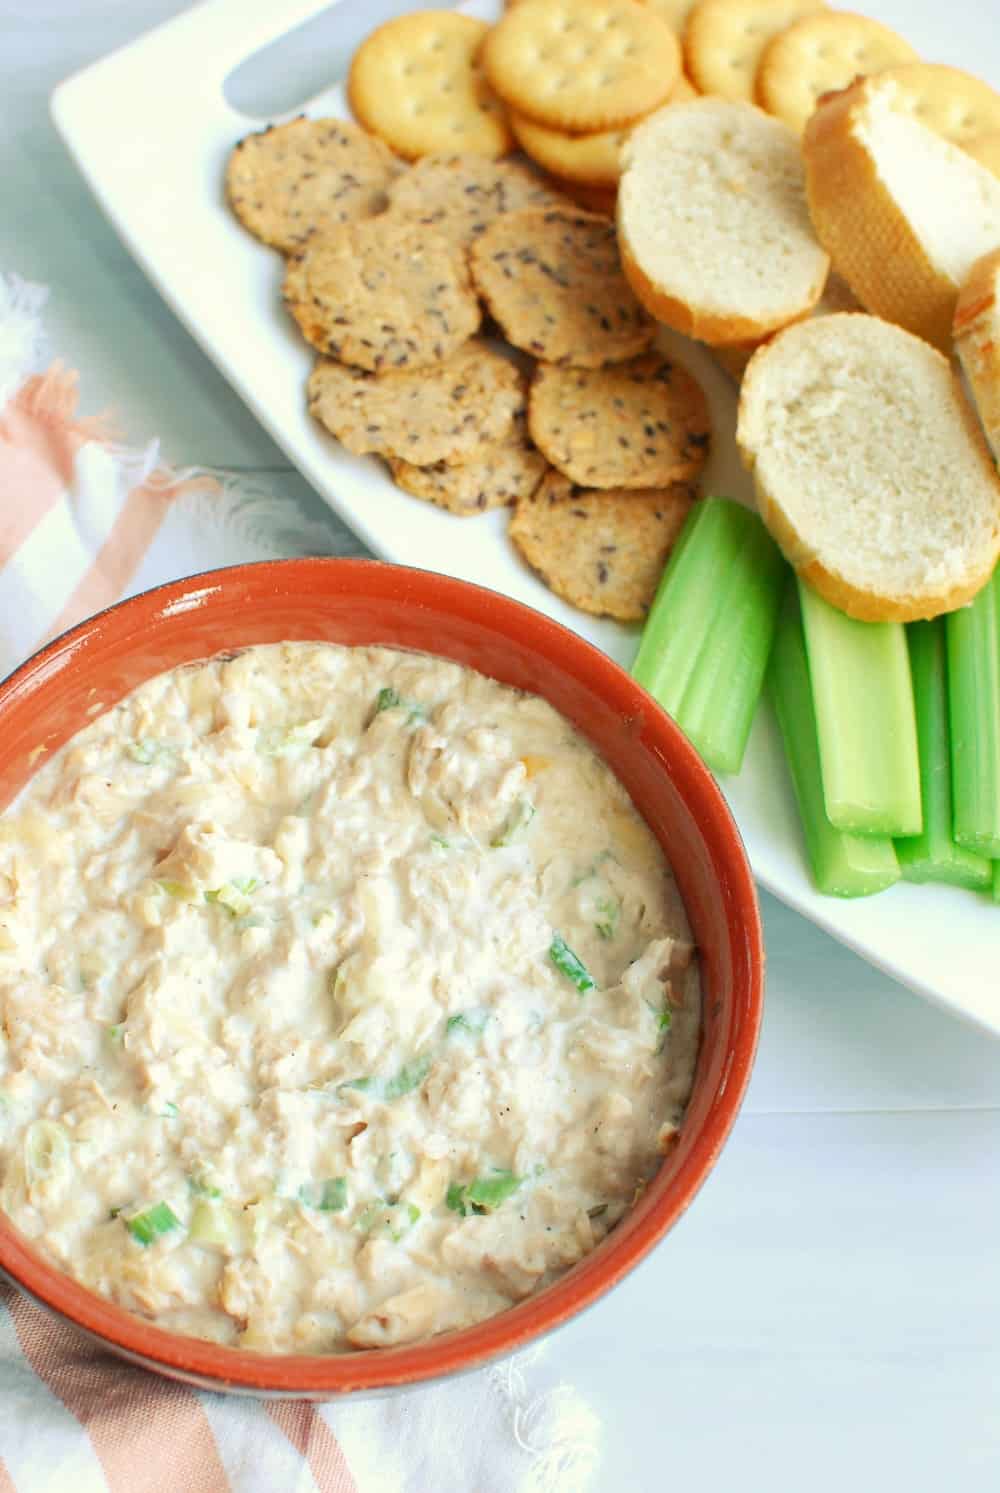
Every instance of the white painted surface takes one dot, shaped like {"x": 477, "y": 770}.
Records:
{"x": 827, "y": 1316}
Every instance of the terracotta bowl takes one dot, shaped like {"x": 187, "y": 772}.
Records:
{"x": 358, "y": 601}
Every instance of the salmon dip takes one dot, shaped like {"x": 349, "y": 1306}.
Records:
{"x": 345, "y": 998}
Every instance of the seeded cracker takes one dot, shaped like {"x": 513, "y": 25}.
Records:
{"x": 643, "y": 423}
{"x": 460, "y": 196}
{"x": 554, "y": 283}
{"x": 448, "y": 413}
{"x": 382, "y": 294}
{"x": 500, "y": 476}
{"x": 582, "y": 65}
{"x": 601, "y": 551}
{"x": 417, "y": 82}
{"x": 311, "y": 173}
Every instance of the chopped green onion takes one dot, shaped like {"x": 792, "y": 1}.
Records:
{"x": 395, "y": 1219}
{"x": 279, "y": 741}
{"x": 386, "y": 699}
{"x": 518, "y": 820}
{"x": 704, "y": 649}
{"x": 202, "y": 1188}
{"x": 409, "y": 1077}
{"x": 490, "y": 1192}
{"x": 567, "y": 963}
{"x": 609, "y": 909}
{"x": 212, "y": 1224}
{"x": 933, "y": 855}
{"x": 402, "y": 1227}
{"x": 147, "y": 751}
{"x": 178, "y": 889}
{"x": 473, "y": 1021}
{"x": 863, "y": 698}
{"x": 169, "y": 1111}
{"x": 454, "y": 1198}
{"x": 152, "y": 1223}
{"x": 973, "y": 637}
{"x": 842, "y": 864}
{"x": 440, "y": 843}
{"x": 328, "y": 1197}
{"x": 234, "y": 895}
{"x": 116, "y": 1033}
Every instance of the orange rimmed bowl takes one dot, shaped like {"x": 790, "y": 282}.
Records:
{"x": 54, "y": 695}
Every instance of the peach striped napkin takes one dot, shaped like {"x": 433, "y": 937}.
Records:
{"x": 84, "y": 522}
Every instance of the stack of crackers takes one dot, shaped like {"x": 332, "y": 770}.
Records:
{"x": 452, "y": 259}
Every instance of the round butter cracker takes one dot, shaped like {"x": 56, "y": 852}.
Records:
{"x": 382, "y": 294}
{"x": 416, "y": 82}
{"x": 451, "y": 412}
{"x": 986, "y": 150}
{"x": 952, "y": 103}
{"x": 554, "y": 283}
{"x": 724, "y": 40}
{"x": 819, "y": 54}
{"x": 643, "y": 423}
{"x": 582, "y": 65}
{"x": 602, "y": 551}
{"x": 290, "y": 179}
{"x": 674, "y": 12}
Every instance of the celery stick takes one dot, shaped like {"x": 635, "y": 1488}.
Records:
{"x": 996, "y": 881}
{"x": 705, "y": 646}
{"x": 973, "y": 634}
{"x": 843, "y": 865}
{"x": 863, "y": 698}
{"x": 933, "y": 855}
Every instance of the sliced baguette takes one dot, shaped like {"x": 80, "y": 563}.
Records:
{"x": 903, "y": 213}
{"x": 977, "y": 341}
{"x": 869, "y": 467}
{"x": 713, "y": 228}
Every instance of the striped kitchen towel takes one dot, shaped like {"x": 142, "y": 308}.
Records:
{"x": 84, "y": 522}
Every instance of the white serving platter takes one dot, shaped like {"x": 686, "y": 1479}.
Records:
{"x": 151, "y": 130}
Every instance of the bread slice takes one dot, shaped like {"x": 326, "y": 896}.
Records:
{"x": 977, "y": 341}
{"x": 713, "y": 228}
{"x": 903, "y": 213}
{"x": 870, "y": 469}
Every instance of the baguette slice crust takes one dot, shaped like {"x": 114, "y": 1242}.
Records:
{"x": 870, "y": 469}
{"x": 713, "y": 228}
{"x": 903, "y": 213}
{"x": 977, "y": 341}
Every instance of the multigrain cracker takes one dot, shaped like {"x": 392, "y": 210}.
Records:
{"x": 501, "y": 475}
{"x": 290, "y": 179}
{"x": 952, "y": 103}
{"x": 554, "y": 283}
{"x": 643, "y": 423}
{"x": 582, "y": 64}
{"x": 382, "y": 294}
{"x": 724, "y": 40}
{"x": 602, "y": 551}
{"x": 819, "y": 54}
{"x": 417, "y": 83}
{"x": 449, "y": 413}
{"x": 460, "y": 196}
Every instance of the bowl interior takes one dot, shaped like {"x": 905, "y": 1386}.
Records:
{"x": 365, "y": 602}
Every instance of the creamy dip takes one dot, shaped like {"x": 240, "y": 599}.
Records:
{"x": 344, "y": 998}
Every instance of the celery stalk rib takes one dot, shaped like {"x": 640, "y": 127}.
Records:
{"x": 863, "y": 696}
{"x": 704, "y": 650}
{"x": 933, "y": 855}
{"x": 973, "y": 634}
{"x": 842, "y": 864}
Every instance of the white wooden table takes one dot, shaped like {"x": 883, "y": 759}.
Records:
{"x": 827, "y": 1317}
